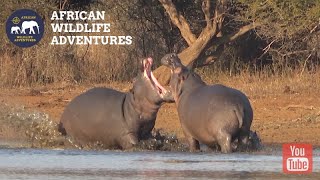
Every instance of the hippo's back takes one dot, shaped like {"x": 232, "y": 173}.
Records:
{"x": 217, "y": 104}
{"x": 95, "y": 115}
{"x": 220, "y": 96}
{"x": 217, "y": 96}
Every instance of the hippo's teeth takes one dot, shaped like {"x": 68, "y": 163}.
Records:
{"x": 150, "y": 60}
{"x": 154, "y": 79}
{"x": 148, "y": 74}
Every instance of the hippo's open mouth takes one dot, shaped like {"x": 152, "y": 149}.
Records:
{"x": 147, "y": 63}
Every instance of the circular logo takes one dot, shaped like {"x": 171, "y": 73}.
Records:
{"x": 24, "y": 28}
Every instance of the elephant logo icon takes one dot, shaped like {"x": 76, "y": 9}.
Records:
{"x": 29, "y": 25}
{"x": 26, "y": 25}
{"x": 15, "y": 29}
{"x": 24, "y": 28}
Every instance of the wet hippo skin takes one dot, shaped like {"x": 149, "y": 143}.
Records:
{"x": 208, "y": 113}
{"x": 116, "y": 119}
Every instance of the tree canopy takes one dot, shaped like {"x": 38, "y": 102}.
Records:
{"x": 280, "y": 33}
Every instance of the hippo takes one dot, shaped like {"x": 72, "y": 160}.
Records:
{"x": 210, "y": 114}
{"x": 115, "y": 119}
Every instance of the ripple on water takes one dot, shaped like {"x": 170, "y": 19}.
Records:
{"x": 79, "y": 164}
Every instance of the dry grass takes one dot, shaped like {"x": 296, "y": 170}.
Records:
{"x": 46, "y": 64}
{"x": 282, "y": 104}
{"x": 104, "y": 64}
{"x": 264, "y": 83}
{"x": 75, "y": 64}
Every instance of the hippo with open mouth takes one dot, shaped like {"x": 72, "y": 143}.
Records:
{"x": 208, "y": 113}
{"x": 116, "y": 119}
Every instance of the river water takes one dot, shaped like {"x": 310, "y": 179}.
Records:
{"x": 22, "y": 163}
{"x": 19, "y": 161}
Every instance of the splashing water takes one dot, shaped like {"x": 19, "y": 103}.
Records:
{"x": 35, "y": 127}
{"x": 41, "y": 132}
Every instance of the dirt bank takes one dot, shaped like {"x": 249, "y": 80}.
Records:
{"x": 278, "y": 117}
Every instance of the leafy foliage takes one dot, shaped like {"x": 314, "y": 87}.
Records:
{"x": 289, "y": 27}
{"x": 288, "y": 37}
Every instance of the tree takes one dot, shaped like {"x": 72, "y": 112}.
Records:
{"x": 290, "y": 29}
{"x": 203, "y": 48}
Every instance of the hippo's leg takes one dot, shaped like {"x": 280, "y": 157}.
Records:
{"x": 224, "y": 140}
{"x": 244, "y": 136}
{"x": 194, "y": 145}
{"x": 128, "y": 141}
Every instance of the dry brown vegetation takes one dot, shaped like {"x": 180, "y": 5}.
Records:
{"x": 276, "y": 64}
{"x": 282, "y": 37}
{"x": 286, "y": 109}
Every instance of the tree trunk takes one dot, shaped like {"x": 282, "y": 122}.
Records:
{"x": 163, "y": 75}
{"x": 198, "y": 45}
{"x": 187, "y": 56}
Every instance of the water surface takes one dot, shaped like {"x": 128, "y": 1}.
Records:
{"x": 78, "y": 164}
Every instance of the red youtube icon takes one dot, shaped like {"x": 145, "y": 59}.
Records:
{"x": 297, "y": 158}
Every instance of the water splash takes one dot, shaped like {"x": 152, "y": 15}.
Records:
{"x": 42, "y": 132}
{"x": 36, "y": 128}
{"x": 161, "y": 141}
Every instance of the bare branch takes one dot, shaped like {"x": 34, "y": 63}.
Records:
{"x": 179, "y": 21}
{"x": 289, "y": 53}
{"x": 244, "y": 30}
{"x": 220, "y": 10}
{"x": 305, "y": 62}
{"x": 206, "y": 11}
{"x": 315, "y": 28}
{"x": 233, "y": 36}
{"x": 266, "y": 49}
{"x": 62, "y": 5}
